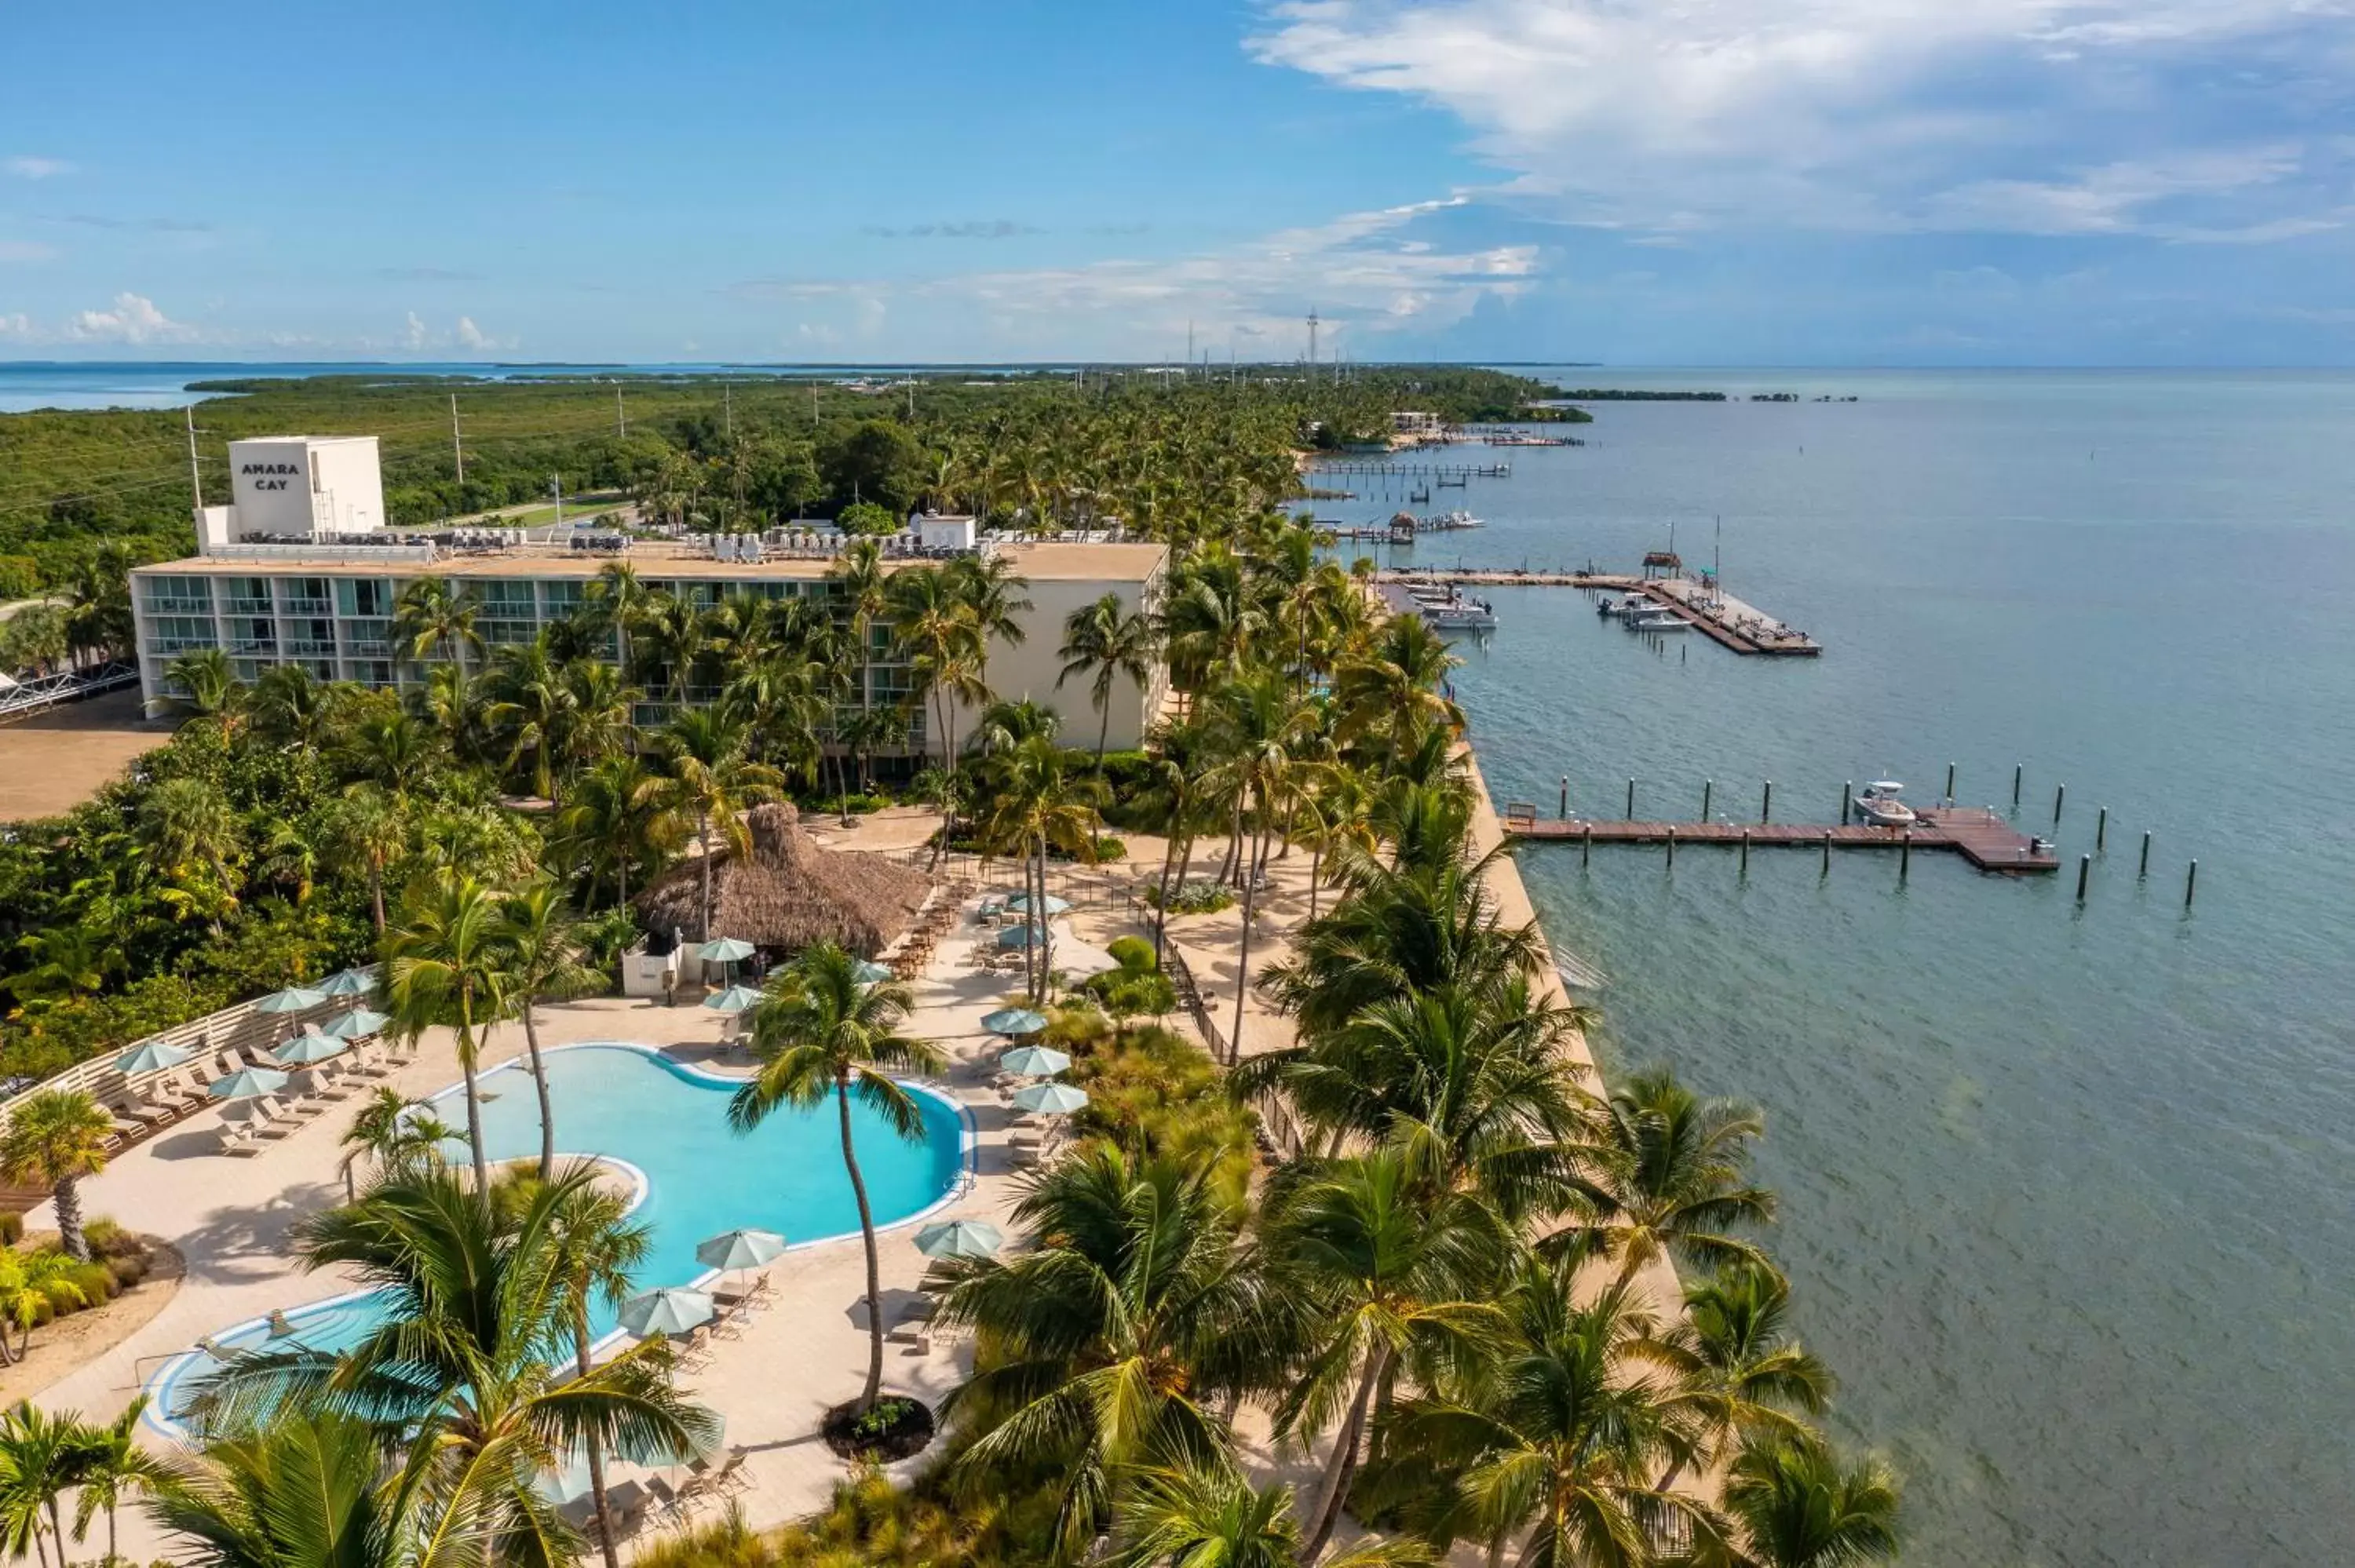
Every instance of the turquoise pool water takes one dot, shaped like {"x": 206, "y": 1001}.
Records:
{"x": 668, "y": 1124}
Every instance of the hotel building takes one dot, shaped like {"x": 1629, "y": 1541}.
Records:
{"x": 301, "y": 570}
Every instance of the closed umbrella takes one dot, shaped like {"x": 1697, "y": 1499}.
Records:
{"x": 293, "y": 1000}
{"x": 357, "y": 1024}
{"x": 669, "y": 1310}
{"x": 867, "y": 971}
{"x": 308, "y": 1048}
{"x": 735, "y": 999}
{"x": 1051, "y": 1099}
{"x": 1053, "y": 905}
{"x": 738, "y": 1249}
{"x": 960, "y": 1238}
{"x": 1034, "y": 1060}
{"x": 246, "y": 1083}
{"x": 149, "y": 1057}
{"x": 348, "y": 982}
{"x": 1014, "y": 1021}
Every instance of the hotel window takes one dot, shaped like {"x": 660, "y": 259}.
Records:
{"x": 177, "y": 595}
{"x": 363, "y": 595}
{"x": 304, "y": 596}
{"x": 248, "y": 596}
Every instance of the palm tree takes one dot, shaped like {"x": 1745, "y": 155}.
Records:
{"x": 1550, "y": 1440}
{"x": 612, "y": 821}
{"x": 395, "y": 1132}
{"x": 209, "y": 688}
{"x": 1036, "y": 804}
{"x": 54, "y": 1140}
{"x": 861, "y": 592}
{"x": 615, "y": 601}
{"x": 447, "y": 966}
{"x": 1667, "y": 1176}
{"x": 1796, "y": 1505}
{"x": 1111, "y": 1336}
{"x": 290, "y": 706}
{"x": 196, "y": 836}
{"x": 113, "y": 1467}
{"x": 943, "y": 641}
{"x": 598, "y": 1251}
{"x": 459, "y": 1376}
{"x": 669, "y": 636}
{"x": 532, "y": 706}
{"x": 991, "y": 591}
{"x": 711, "y": 780}
{"x": 368, "y": 828}
{"x": 1395, "y": 692}
{"x": 1102, "y": 642}
{"x": 32, "y": 1284}
{"x": 41, "y": 1459}
{"x": 299, "y": 1494}
{"x": 817, "y": 1031}
{"x": 431, "y": 618}
{"x": 542, "y": 961}
{"x": 1202, "y": 1516}
{"x": 1734, "y": 1368}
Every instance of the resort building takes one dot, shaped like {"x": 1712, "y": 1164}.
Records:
{"x": 295, "y": 576}
{"x": 1416, "y": 425}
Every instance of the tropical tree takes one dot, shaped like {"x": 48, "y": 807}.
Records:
{"x": 42, "y": 1456}
{"x": 32, "y": 1284}
{"x": 1111, "y": 1336}
{"x": 711, "y": 780}
{"x": 1210, "y": 1517}
{"x": 392, "y": 1131}
{"x": 1733, "y": 1366}
{"x": 613, "y": 822}
{"x": 819, "y": 1030}
{"x": 1037, "y": 804}
{"x": 207, "y": 686}
{"x": 368, "y": 828}
{"x": 290, "y": 706}
{"x": 447, "y": 966}
{"x": 991, "y": 591}
{"x": 1667, "y": 1175}
{"x": 301, "y": 1494}
{"x": 195, "y": 836}
{"x": 112, "y": 1466}
{"x": 1102, "y": 642}
{"x": 55, "y": 1138}
{"x": 598, "y": 1250}
{"x": 1794, "y": 1503}
{"x": 542, "y": 961}
{"x": 435, "y": 619}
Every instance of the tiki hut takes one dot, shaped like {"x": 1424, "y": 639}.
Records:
{"x": 788, "y": 894}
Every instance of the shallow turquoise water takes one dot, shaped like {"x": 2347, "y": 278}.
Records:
{"x": 786, "y": 1176}
{"x": 2065, "y": 1189}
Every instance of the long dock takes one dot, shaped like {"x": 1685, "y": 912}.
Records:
{"x": 1729, "y": 622}
{"x": 1980, "y": 836}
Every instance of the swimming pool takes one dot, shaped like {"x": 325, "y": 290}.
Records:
{"x": 665, "y": 1125}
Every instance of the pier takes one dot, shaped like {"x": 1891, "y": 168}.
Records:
{"x": 1449, "y": 474}
{"x": 1980, "y": 836}
{"x": 1729, "y": 622}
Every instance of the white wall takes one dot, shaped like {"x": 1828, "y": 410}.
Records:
{"x": 1028, "y": 670}
{"x": 348, "y": 474}
{"x": 293, "y": 485}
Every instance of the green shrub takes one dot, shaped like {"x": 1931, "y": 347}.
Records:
{"x": 1201, "y": 896}
{"x": 107, "y": 1238}
{"x": 127, "y": 1271}
{"x": 12, "y": 1229}
{"x": 1133, "y": 954}
{"x": 20, "y": 577}
{"x": 96, "y": 1282}
{"x": 1155, "y": 1087}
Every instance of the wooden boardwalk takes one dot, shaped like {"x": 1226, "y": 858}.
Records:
{"x": 1738, "y": 628}
{"x": 1977, "y": 834}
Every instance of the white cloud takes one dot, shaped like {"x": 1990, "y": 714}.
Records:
{"x": 133, "y": 319}
{"x": 413, "y": 336}
{"x": 469, "y": 334}
{"x": 18, "y": 325}
{"x": 25, "y": 166}
{"x": 1873, "y": 115}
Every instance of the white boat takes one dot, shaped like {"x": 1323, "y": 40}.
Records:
{"x": 1633, "y": 604}
{"x": 1658, "y": 620}
{"x": 1459, "y": 518}
{"x": 1468, "y": 616}
{"x": 1879, "y": 805}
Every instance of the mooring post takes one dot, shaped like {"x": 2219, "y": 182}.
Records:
{"x": 2144, "y": 869}
{"x": 2019, "y": 771}
{"x": 2102, "y": 828}
{"x": 1950, "y": 783}
{"x": 1905, "y": 856}
{"x": 1631, "y": 799}
{"x": 2060, "y": 793}
{"x": 1585, "y": 846}
{"x": 1848, "y": 801}
{"x": 2085, "y": 869}
{"x": 1706, "y": 786}
{"x": 1827, "y": 854}
{"x": 1745, "y": 852}
{"x": 1672, "y": 846}
{"x": 2190, "y": 882}
{"x": 1565, "y": 797}
{"x": 1766, "y": 803}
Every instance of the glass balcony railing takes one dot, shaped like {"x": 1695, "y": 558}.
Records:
{"x": 302, "y": 606}
{"x": 307, "y": 648}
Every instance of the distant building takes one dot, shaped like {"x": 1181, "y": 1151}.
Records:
{"x": 1417, "y": 426}
{"x": 302, "y": 571}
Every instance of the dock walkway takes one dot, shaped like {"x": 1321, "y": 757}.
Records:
{"x": 1729, "y": 622}
{"x": 1980, "y": 836}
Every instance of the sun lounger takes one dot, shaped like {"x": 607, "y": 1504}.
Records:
{"x": 915, "y": 1333}
{"x": 239, "y": 1140}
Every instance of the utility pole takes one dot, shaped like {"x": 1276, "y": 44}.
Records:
{"x": 813, "y": 406}
{"x": 556, "y": 489}
{"x": 621, "y": 420}
{"x": 728, "y": 409}
{"x": 195, "y": 474}
{"x": 1312, "y": 344}
{"x": 457, "y": 448}
{"x": 911, "y": 399}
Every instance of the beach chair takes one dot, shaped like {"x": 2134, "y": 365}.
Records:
{"x": 172, "y": 1092}
{"x": 913, "y": 1331}
{"x": 147, "y": 1117}
{"x": 237, "y": 1141}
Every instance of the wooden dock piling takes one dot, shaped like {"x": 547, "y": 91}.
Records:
{"x": 2101, "y": 829}
{"x": 1766, "y": 803}
{"x": 2144, "y": 871}
{"x": 1980, "y": 836}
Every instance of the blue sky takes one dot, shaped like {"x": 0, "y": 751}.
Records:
{"x": 1715, "y": 182}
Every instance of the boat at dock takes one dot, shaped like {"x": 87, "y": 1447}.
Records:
{"x": 1658, "y": 620}
{"x": 1879, "y": 805}
{"x": 1635, "y": 604}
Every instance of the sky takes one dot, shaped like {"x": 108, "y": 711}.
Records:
{"x": 1627, "y": 182}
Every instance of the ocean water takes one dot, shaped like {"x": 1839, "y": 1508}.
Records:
{"x": 2066, "y": 1189}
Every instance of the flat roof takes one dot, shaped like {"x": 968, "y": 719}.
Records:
{"x": 306, "y": 440}
{"x": 1046, "y": 562}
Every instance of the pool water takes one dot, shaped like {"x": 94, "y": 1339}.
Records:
{"x": 669, "y": 1124}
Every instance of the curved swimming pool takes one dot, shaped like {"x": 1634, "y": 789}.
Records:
{"x": 667, "y": 1123}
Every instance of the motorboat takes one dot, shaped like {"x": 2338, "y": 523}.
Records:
{"x": 1471, "y": 615}
{"x": 1658, "y": 620}
{"x": 1633, "y": 604}
{"x": 1449, "y": 521}
{"x": 1879, "y": 805}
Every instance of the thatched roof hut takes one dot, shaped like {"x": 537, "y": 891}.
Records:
{"x": 789, "y": 894}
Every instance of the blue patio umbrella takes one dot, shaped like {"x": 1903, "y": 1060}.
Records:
{"x": 346, "y": 982}
{"x": 357, "y": 1024}
{"x": 960, "y": 1238}
{"x": 1014, "y": 1021}
{"x": 294, "y": 999}
{"x": 1022, "y": 936}
{"x": 867, "y": 971}
{"x": 566, "y": 1482}
{"x": 1051, "y": 1099}
{"x": 308, "y": 1048}
{"x": 1053, "y": 905}
{"x": 245, "y": 1083}
{"x": 735, "y": 999}
{"x": 1034, "y": 1060}
{"x": 670, "y": 1310}
{"x": 736, "y": 1249}
{"x": 149, "y": 1057}
{"x": 725, "y": 951}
